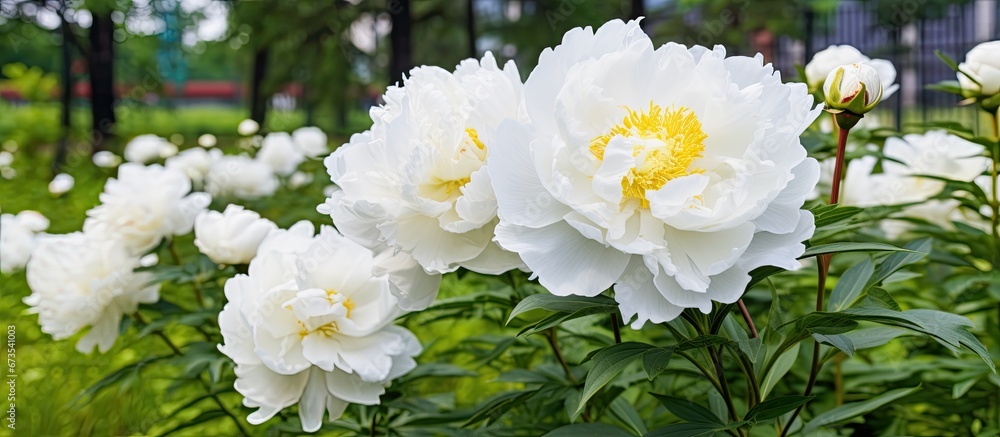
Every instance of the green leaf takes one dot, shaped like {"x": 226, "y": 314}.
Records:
{"x": 775, "y": 407}
{"x": 838, "y": 341}
{"x": 824, "y": 323}
{"x": 558, "y": 318}
{"x": 874, "y": 337}
{"x": 879, "y": 298}
{"x": 916, "y": 250}
{"x": 625, "y": 412}
{"x": 826, "y": 215}
{"x": 684, "y": 430}
{"x": 855, "y": 409}
{"x": 205, "y": 416}
{"x": 780, "y": 368}
{"x": 562, "y": 304}
{"x": 607, "y": 364}
{"x": 850, "y": 285}
{"x": 440, "y": 370}
{"x": 687, "y": 410}
{"x": 497, "y": 406}
{"x": 655, "y": 361}
{"x": 961, "y": 388}
{"x": 850, "y": 247}
{"x": 588, "y": 430}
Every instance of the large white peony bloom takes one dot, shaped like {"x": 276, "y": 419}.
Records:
{"x": 416, "y": 180}
{"x": 280, "y": 153}
{"x": 241, "y": 177}
{"x": 937, "y": 154}
{"x": 310, "y": 141}
{"x": 195, "y": 163}
{"x": 667, "y": 173}
{"x": 825, "y": 61}
{"x": 144, "y": 149}
{"x": 232, "y": 236}
{"x": 17, "y": 238}
{"x": 79, "y": 280}
{"x": 144, "y": 205}
{"x": 983, "y": 64}
{"x": 311, "y": 325}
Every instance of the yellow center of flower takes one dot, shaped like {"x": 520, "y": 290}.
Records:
{"x": 474, "y": 137}
{"x": 448, "y": 188}
{"x": 326, "y": 330}
{"x": 332, "y": 297}
{"x": 679, "y": 140}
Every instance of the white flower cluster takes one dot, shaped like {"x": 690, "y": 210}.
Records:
{"x": 18, "y": 237}
{"x": 913, "y": 174}
{"x": 664, "y": 173}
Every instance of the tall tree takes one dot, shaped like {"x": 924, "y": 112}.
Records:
{"x": 258, "y": 99}
{"x": 101, "y": 69}
{"x": 66, "y": 98}
{"x": 470, "y": 27}
{"x": 400, "y": 39}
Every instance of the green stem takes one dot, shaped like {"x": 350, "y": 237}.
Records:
{"x": 616, "y": 329}
{"x": 824, "y": 271}
{"x": 554, "y": 344}
{"x": 724, "y": 385}
{"x": 995, "y": 196}
{"x": 747, "y": 367}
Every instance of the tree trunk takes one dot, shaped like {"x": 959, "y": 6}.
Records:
{"x": 62, "y": 148}
{"x": 470, "y": 27}
{"x": 638, "y": 9}
{"x": 102, "y": 91}
{"x": 402, "y": 47}
{"x": 258, "y": 101}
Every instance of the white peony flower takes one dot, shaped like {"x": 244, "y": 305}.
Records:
{"x": 669, "y": 174}
{"x": 232, "y": 236}
{"x": 144, "y": 205}
{"x": 247, "y": 127}
{"x": 61, "y": 183}
{"x": 310, "y": 141}
{"x": 311, "y": 326}
{"x": 207, "y": 141}
{"x": 144, "y": 149}
{"x": 17, "y": 238}
{"x": 194, "y": 163}
{"x": 983, "y": 64}
{"x": 279, "y": 152}
{"x": 416, "y": 180}
{"x": 106, "y": 159}
{"x": 834, "y": 56}
{"x": 79, "y": 280}
{"x": 299, "y": 179}
{"x": 241, "y": 177}
{"x": 6, "y": 158}
{"x": 936, "y": 154}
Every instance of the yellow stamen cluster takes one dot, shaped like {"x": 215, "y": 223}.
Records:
{"x": 682, "y": 138}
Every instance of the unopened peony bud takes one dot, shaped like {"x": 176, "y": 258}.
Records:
{"x": 851, "y": 91}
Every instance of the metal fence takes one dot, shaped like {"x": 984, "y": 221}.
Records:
{"x": 909, "y": 44}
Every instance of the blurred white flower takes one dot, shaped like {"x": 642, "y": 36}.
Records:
{"x": 936, "y": 154}
{"x": 106, "y": 159}
{"x": 61, "y": 184}
{"x": 310, "y": 141}
{"x": 299, "y": 179}
{"x": 670, "y": 186}
{"x": 17, "y": 238}
{"x": 279, "y": 152}
{"x": 834, "y": 56}
{"x": 844, "y": 86}
{"x": 311, "y": 326}
{"x": 983, "y": 64}
{"x": 149, "y": 260}
{"x": 207, "y": 141}
{"x": 144, "y": 205}
{"x": 241, "y": 177}
{"x": 416, "y": 179}
{"x": 232, "y": 236}
{"x": 6, "y": 158}
{"x": 79, "y": 280}
{"x": 195, "y": 163}
{"x": 247, "y": 127}
{"x": 329, "y": 190}
{"x": 8, "y": 172}
{"x": 144, "y": 149}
